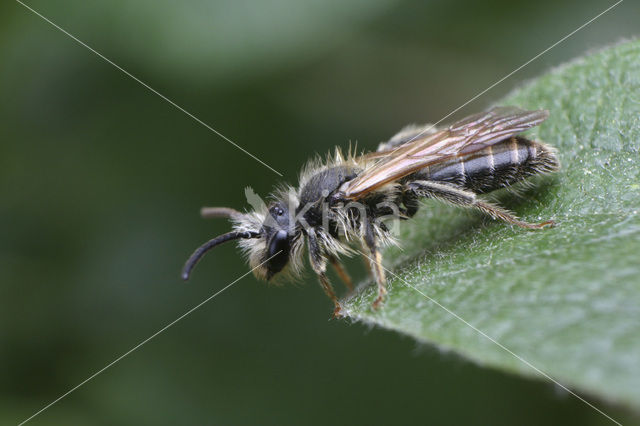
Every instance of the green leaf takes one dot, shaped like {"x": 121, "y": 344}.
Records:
{"x": 565, "y": 299}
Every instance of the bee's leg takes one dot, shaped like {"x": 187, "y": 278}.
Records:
{"x": 328, "y": 289}
{"x": 500, "y": 213}
{"x": 367, "y": 266}
{"x": 378, "y": 272}
{"x": 319, "y": 264}
{"x": 376, "y": 263}
{"x": 342, "y": 273}
{"x": 461, "y": 197}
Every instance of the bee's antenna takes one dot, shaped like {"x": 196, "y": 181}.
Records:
{"x": 224, "y": 212}
{"x": 200, "y": 251}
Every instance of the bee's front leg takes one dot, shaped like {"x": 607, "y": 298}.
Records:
{"x": 328, "y": 289}
{"x": 318, "y": 262}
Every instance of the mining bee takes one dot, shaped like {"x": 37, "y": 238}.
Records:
{"x": 345, "y": 200}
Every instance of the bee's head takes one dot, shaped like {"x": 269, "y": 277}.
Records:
{"x": 278, "y": 235}
{"x": 268, "y": 237}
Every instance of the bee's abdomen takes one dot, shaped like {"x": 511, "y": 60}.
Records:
{"x": 494, "y": 167}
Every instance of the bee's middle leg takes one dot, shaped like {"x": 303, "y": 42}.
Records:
{"x": 342, "y": 273}
{"x": 376, "y": 263}
{"x": 464, "y": 198}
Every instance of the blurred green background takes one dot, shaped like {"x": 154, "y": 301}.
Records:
{"x": 101, "y": 182}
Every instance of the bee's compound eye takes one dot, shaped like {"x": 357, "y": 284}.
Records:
{"x": 277, "y": 211}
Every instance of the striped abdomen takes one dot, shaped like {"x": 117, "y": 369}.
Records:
{"x": 494, "y": 167}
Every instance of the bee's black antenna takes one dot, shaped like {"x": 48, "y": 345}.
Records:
{"x": 200, "y": 251}
{"x": 224, "y": 212}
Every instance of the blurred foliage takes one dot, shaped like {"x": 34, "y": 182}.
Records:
{"x": 101, "y": 182}
{"x": 565, "y": 299}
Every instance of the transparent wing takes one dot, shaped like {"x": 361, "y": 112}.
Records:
{"x": 408, "y": 133}
{"x": 464, "y": 137}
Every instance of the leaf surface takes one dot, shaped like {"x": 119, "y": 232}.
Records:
{"x": 566, "y": 299}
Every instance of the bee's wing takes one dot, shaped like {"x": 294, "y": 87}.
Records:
{"x": 464, "y": 137}
{"x": 407, "y": 134}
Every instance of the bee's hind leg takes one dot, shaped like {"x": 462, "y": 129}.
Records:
{"x": 376, "y": 264}
{"x": 499, "y": 213}
{"x": 464, "y": 198}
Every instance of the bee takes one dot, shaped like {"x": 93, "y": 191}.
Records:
{"x": 346, "y": 200}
